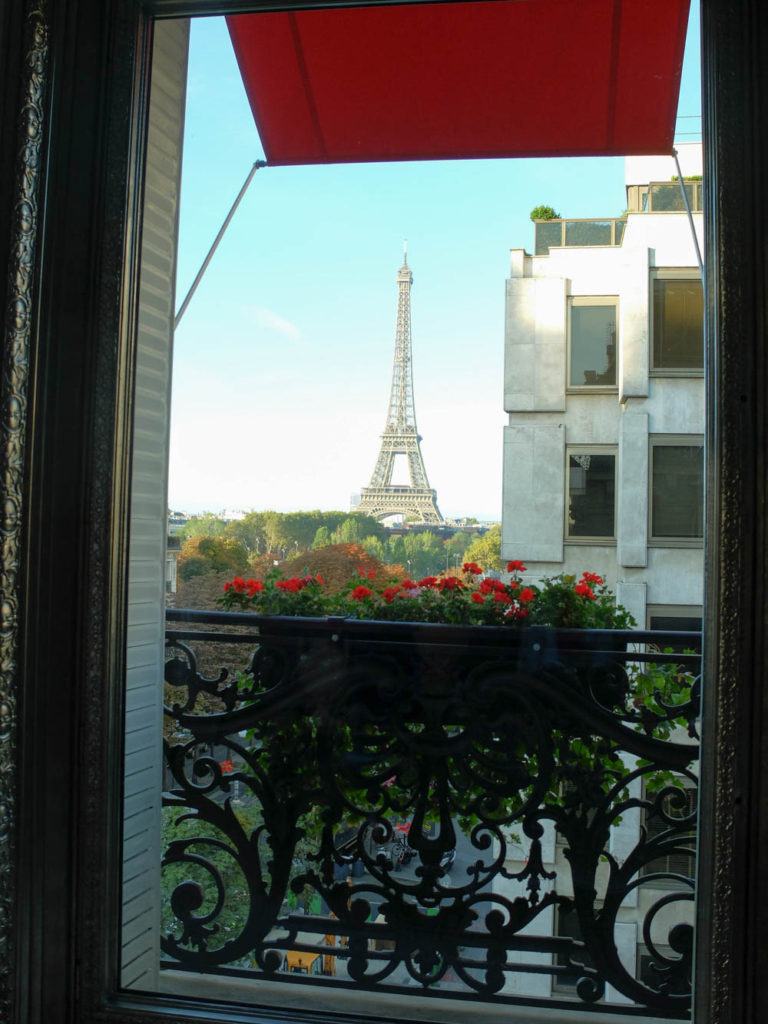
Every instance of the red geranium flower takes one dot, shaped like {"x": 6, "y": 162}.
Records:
{"x": 293, "y": 585}
{"x": 239, "y": 584}
{"x": 359, "y": 593}
{"x": 502, "y": 597}
{"x": 255, "y": 587}
{"x": 515, "y": 567}
{"x": 451, "y": 583}
{"x": 584, "y": 590}
{"x": 410, "y": 585}
{"x": 478, "y": 598}
{"x": 227, "y": 586}
{"x": 472, "y": 568}
{"x": 525, "y": 595}
{"x": 428, "y": 581}
{"x": 592, "y": 577}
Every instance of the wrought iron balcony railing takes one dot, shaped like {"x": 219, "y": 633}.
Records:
{"x": 475, "y": 813}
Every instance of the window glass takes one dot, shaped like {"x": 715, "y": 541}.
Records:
{"x": 677, "y": 491}
{"x": 548, "y": 233}
{"x": 593, "y": 344}
{"x": 588, "y": 232}
{"x": 677, "y": 618}
{"x": 591, "y": 494}
{"x": 567, "y": 926}
{"x": 666, "y": 196}
{"x": 681, "y": 861}
{"x": 678, "y": 310}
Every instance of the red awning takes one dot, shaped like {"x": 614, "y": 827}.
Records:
{"x": 484, "y": 78}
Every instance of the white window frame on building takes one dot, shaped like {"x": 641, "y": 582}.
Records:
{"x": 670, "y": 274}
{"x": 577, "y": 450}
{"x": 582, "y": 301}
{"x": 673, "y": 441}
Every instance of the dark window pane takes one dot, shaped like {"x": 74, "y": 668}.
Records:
{"x": 678, "y": 333}
{"x": 678, "y": 491}
{"x": 619, "y": 231}
{"x": 674, "y": 863}
{"x": 679, "y": 623}
{"x": 588, "y": 232}
{"x": 548, "y": 233}
{"x": 591, "y": 489}
{"x": 593, "y": 345}
{"x": 567, "y": 925}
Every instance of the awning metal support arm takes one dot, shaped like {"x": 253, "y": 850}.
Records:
{"x": 686, "y": 204}
{"x": 217, "y": 239}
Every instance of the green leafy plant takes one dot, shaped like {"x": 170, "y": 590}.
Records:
{"x": 544, "y": 213}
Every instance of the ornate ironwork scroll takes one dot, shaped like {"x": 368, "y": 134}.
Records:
{"x": 13, "y": 414}
{"x": 469, "y": 813}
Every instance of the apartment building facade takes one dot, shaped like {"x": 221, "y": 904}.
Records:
{"x": 603, "y": 453}
{"x": 604, "y": 387}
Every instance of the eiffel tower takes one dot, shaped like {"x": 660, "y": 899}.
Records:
{"x": 382, "y": 498}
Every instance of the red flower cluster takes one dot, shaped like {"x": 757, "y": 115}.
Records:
{"x": 592, "y": 577}
{"x": 364, "y": 573}
{"x": 451, "y": 583}
{"x": 488, "y": 586}
{"x": 564, "y": 600}
{"x": 241, "y": 586}
{"x": 293, "y": 585}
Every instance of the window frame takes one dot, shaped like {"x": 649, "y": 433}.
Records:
{"x": 591, "y": 449}
{"x": 69, "y": 462}
{"x": 670, "y": 274}
{"x": 674, "y": 441}
{"x": 575, "y": 301}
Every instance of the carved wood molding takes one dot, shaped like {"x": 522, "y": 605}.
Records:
{"x": 17, "y": 330}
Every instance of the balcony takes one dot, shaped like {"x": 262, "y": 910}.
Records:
{"x": 657, "y": 197}
{"x": 583, "y": 232}
{"x": 428, "y": 811}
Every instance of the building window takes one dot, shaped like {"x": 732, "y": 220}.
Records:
{"x": 682, "y": 861}
{"x": 677, "y": 489}
{"x": 677, "y": 321}
{"x": 592, "y": 342}
{"x": 591, "y": 497}
{"x": 678, "y": 618}
{"x": 572, "y": 967}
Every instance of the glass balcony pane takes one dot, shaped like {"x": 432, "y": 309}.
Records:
{"x": 588, "y": 232}
{"x": 548, "y": 233}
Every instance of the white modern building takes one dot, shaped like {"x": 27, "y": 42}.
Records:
{"x": 603, "y": 384}
{"x": 603, "y": 454}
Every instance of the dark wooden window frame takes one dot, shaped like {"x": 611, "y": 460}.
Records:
{"x": 73, "y": 79}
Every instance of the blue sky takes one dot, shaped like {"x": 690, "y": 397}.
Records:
{"x": 283, "y": 361}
